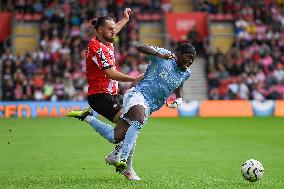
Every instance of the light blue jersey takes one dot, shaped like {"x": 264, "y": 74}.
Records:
{"x": 161, "y": 78}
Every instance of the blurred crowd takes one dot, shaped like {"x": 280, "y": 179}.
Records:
{"x": 56, "y": 71}
{"x": 253, "y": 68}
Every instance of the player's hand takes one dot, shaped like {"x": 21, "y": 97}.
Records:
{"x": 127, "y": 13}
{"x": 167, "y": 56}
{"x": 175, "y": 103}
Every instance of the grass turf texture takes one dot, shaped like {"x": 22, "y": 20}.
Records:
{"x": 171, "y": 153}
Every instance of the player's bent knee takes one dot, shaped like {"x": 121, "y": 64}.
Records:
{"x": 137, "y": 113}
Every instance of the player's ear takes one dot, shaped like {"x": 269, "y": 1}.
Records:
{"x": 177, "y": 54}
{"x": 100, "y": 29}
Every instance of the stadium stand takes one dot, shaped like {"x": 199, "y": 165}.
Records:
{"x": 253, "y": 66}
{"x": 243, "y": 52}
{"x": 52, "y": 68}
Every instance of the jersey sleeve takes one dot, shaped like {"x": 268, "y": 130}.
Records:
{"x": 160, "y": 50}
{"x": 100, "y": 57}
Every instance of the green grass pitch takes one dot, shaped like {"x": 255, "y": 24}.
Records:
{"x": 170, "y": 153}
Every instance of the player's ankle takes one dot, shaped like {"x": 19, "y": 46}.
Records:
{"x": 88, "y": 118}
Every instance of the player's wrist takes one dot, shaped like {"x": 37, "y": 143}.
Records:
{"x": 125, "y": 19}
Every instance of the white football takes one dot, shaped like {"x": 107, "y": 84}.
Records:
{"x": 252, "y": 170}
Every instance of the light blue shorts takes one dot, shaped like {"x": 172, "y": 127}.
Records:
{"x": 133, "y": 97}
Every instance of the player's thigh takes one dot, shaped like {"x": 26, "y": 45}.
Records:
{"x": 135, "y": 107}
{"x": 105, "y": 104}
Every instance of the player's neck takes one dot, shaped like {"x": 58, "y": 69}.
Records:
{"x": 102, "y": 40}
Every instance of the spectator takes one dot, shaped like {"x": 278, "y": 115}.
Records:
{"x": 193, "y": 37}
{"x": 8, "y": 90}
{"x": 58, "y": 89}
{"x": 28, "y": 90}
{"x": 254, "y": 62}
{"x": 48, "y": 90}
{"x": 64, "y": 32}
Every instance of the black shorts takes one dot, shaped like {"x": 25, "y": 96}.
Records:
{"x": 105, "y": 104}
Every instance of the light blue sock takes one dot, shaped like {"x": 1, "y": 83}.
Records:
{"x": 130, "y": 138}
{"x": 104, "y": 129}
{"x": 129, "y": 159}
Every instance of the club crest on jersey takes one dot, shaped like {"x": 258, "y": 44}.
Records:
{"x": 102, "y": 57}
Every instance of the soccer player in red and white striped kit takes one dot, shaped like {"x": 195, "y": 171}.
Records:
{"x": 102, "y": 76}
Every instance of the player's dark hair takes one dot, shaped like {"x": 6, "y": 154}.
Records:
{"x": 100, "y": 21}
{"x": 186, "y": 48}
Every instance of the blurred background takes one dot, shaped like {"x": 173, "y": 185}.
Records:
{"x": 238, "y": 74}
{"x": 240, "y": 46}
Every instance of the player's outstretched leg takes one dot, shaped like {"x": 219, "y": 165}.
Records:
{"x": 104, "y": 129}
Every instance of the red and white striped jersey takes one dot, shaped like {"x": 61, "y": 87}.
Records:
{"x": 98, "y": 58}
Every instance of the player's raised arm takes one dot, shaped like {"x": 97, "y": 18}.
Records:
{"x": 119, "y": 25}
{"x": 152, "y": 50}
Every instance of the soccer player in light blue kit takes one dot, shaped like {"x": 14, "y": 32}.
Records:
{"x": 165, "y": 74}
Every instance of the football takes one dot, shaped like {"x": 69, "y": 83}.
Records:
{"x": 252, "y": 170}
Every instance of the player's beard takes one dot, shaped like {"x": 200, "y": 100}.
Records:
{"x": 108, "y": 39}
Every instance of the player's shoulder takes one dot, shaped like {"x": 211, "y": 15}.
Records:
{"x": 95, "y": 43}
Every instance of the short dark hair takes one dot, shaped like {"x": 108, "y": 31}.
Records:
{"x": 186, "y": 48}
{"x": 100, "y": 21}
